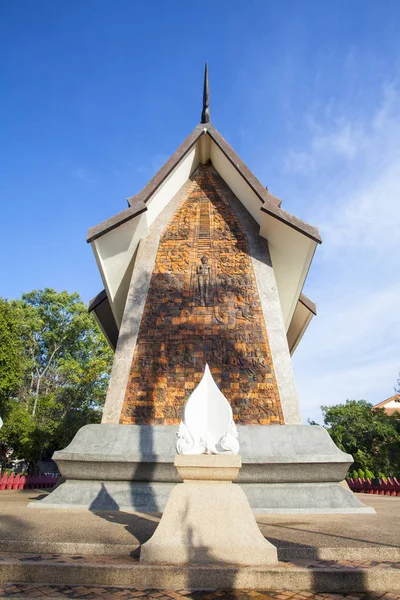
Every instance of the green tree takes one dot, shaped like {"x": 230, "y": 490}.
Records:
{"x": 12, "y": 358}
{"x": 63, "y": 376}
{"x": 371, "y": 436}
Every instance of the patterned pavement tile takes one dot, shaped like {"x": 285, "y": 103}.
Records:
{"x": 128, "y": 560}
{"x": 115, "y": 593}
{"x": 95, "y": 592}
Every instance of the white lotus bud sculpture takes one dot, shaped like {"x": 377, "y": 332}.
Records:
{"x": 207, "y": 425}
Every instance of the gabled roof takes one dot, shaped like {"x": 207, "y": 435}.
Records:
{"x": 269, "y": 203}
{"x": 291, "y": 241}
{"x": 395, "y": 398}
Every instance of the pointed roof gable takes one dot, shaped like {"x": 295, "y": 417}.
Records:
{"x": 391, "y": 401}
{"x": 291, "y": 241}
{"x": 137, "y": 204}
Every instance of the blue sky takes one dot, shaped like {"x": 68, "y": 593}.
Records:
{"x": 97, "y": 94}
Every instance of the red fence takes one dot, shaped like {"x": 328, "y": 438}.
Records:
{"x": 26, "y": 482}
{"x": 391, "y": 487}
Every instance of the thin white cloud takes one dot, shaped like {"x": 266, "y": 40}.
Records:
{"x": 352, "y": 163}
{"x": 83, "y": 174}
{"x": 344, "y": 140}
{"x": 360, "y": 382}
{"x": 367, "y": 215}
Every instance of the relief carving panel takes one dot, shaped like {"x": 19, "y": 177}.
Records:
{"x": 202, "y": 307}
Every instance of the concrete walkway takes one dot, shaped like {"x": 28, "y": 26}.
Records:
{"x": 326, "y": 537}
{"x": 72, "y": 553}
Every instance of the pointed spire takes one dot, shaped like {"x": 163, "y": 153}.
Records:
{"x": 205, "y": 115}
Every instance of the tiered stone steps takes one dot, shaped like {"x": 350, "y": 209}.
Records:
{"x": 341, "y": 576}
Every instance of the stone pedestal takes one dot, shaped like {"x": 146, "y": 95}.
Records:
{"x": 285, "y": 469}
{"x": 207, "y": 519}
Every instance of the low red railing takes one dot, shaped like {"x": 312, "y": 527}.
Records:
{"x": 390, "y": 487}
{"x": 26, "y": 482}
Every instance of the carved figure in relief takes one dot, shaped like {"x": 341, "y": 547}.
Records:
{"x": 247, "y": 366}
{"x": 225, "y": 262}
{"x": 222, "y": 231}
{"x": 230, "y": 441}
{"x": 268, "y": 410}
{"x": 161, "y": 363}
{"x": 222, "y": 296}
{"x": 203, "y": 271}
{"x": 178, "y": 260}
{"x": 260, "y": 361}
{"x": 221, "y": 314}
{"x": 183, "y": 355}
{"x": 188, "y": 354}
{"x": 244, "y": 311}
{"x": 217, "y": 353}
{"x": 176, "y": 234}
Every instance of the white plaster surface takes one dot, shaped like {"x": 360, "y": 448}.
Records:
{"x": 114, "y": 252}
{"x": 173, "y": 183}
{"x": 235, "y": 181}
{"x": 139, "y": 286}
{"x": 291, "y": 254}
{"x": 207, "y": 425}
{"x": 300, "y": 321}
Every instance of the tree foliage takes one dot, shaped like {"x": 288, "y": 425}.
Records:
{"x": 12, "y": 359}
{"x": 371, "y": 436}
{"x": 54, "y": 371}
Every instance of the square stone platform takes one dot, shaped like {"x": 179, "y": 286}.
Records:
{"x": 287, "y": 469}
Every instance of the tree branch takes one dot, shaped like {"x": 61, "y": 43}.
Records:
{"x": 41, "y": 375}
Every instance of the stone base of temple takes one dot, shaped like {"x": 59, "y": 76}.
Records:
{"x": 285, "y": 469}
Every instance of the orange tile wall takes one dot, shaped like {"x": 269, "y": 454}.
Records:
{"x": 202, "y": 312}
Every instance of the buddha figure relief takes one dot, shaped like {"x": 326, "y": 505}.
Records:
{"x": 203, "y": 271}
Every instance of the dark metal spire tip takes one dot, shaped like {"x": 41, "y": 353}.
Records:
{"x": 205, "y": 115}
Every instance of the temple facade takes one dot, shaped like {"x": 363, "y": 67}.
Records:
{"x": 204, "y": 267}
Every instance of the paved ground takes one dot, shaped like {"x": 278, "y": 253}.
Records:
{"x": 120, "y": 533}
{"x": 115, "y": 593}
{"x": 75, "y": 537}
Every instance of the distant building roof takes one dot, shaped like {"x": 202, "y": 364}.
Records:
{"x": 391, "y": 405}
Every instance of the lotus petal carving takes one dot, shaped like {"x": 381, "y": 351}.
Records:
{"x": 207, "y": 425}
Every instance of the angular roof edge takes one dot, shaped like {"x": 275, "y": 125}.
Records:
{"x": 170, "y": 165}
{"x": 264, "y": 195}
{"x": 309, "y": 304}
{"x": 136, "y": 209}
{"x": 396, "y": 398}
{"x": 270, "y": 204}
{"x": 98, "y": 299}
{"x": 294, "y": 222}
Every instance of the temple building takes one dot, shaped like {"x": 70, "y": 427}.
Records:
{"x": 204, "y": 211}
{"x": 203, "y": 267}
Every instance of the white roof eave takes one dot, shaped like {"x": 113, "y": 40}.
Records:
{"x": 291, "y": 250}
{"x": 291, "y": 254}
